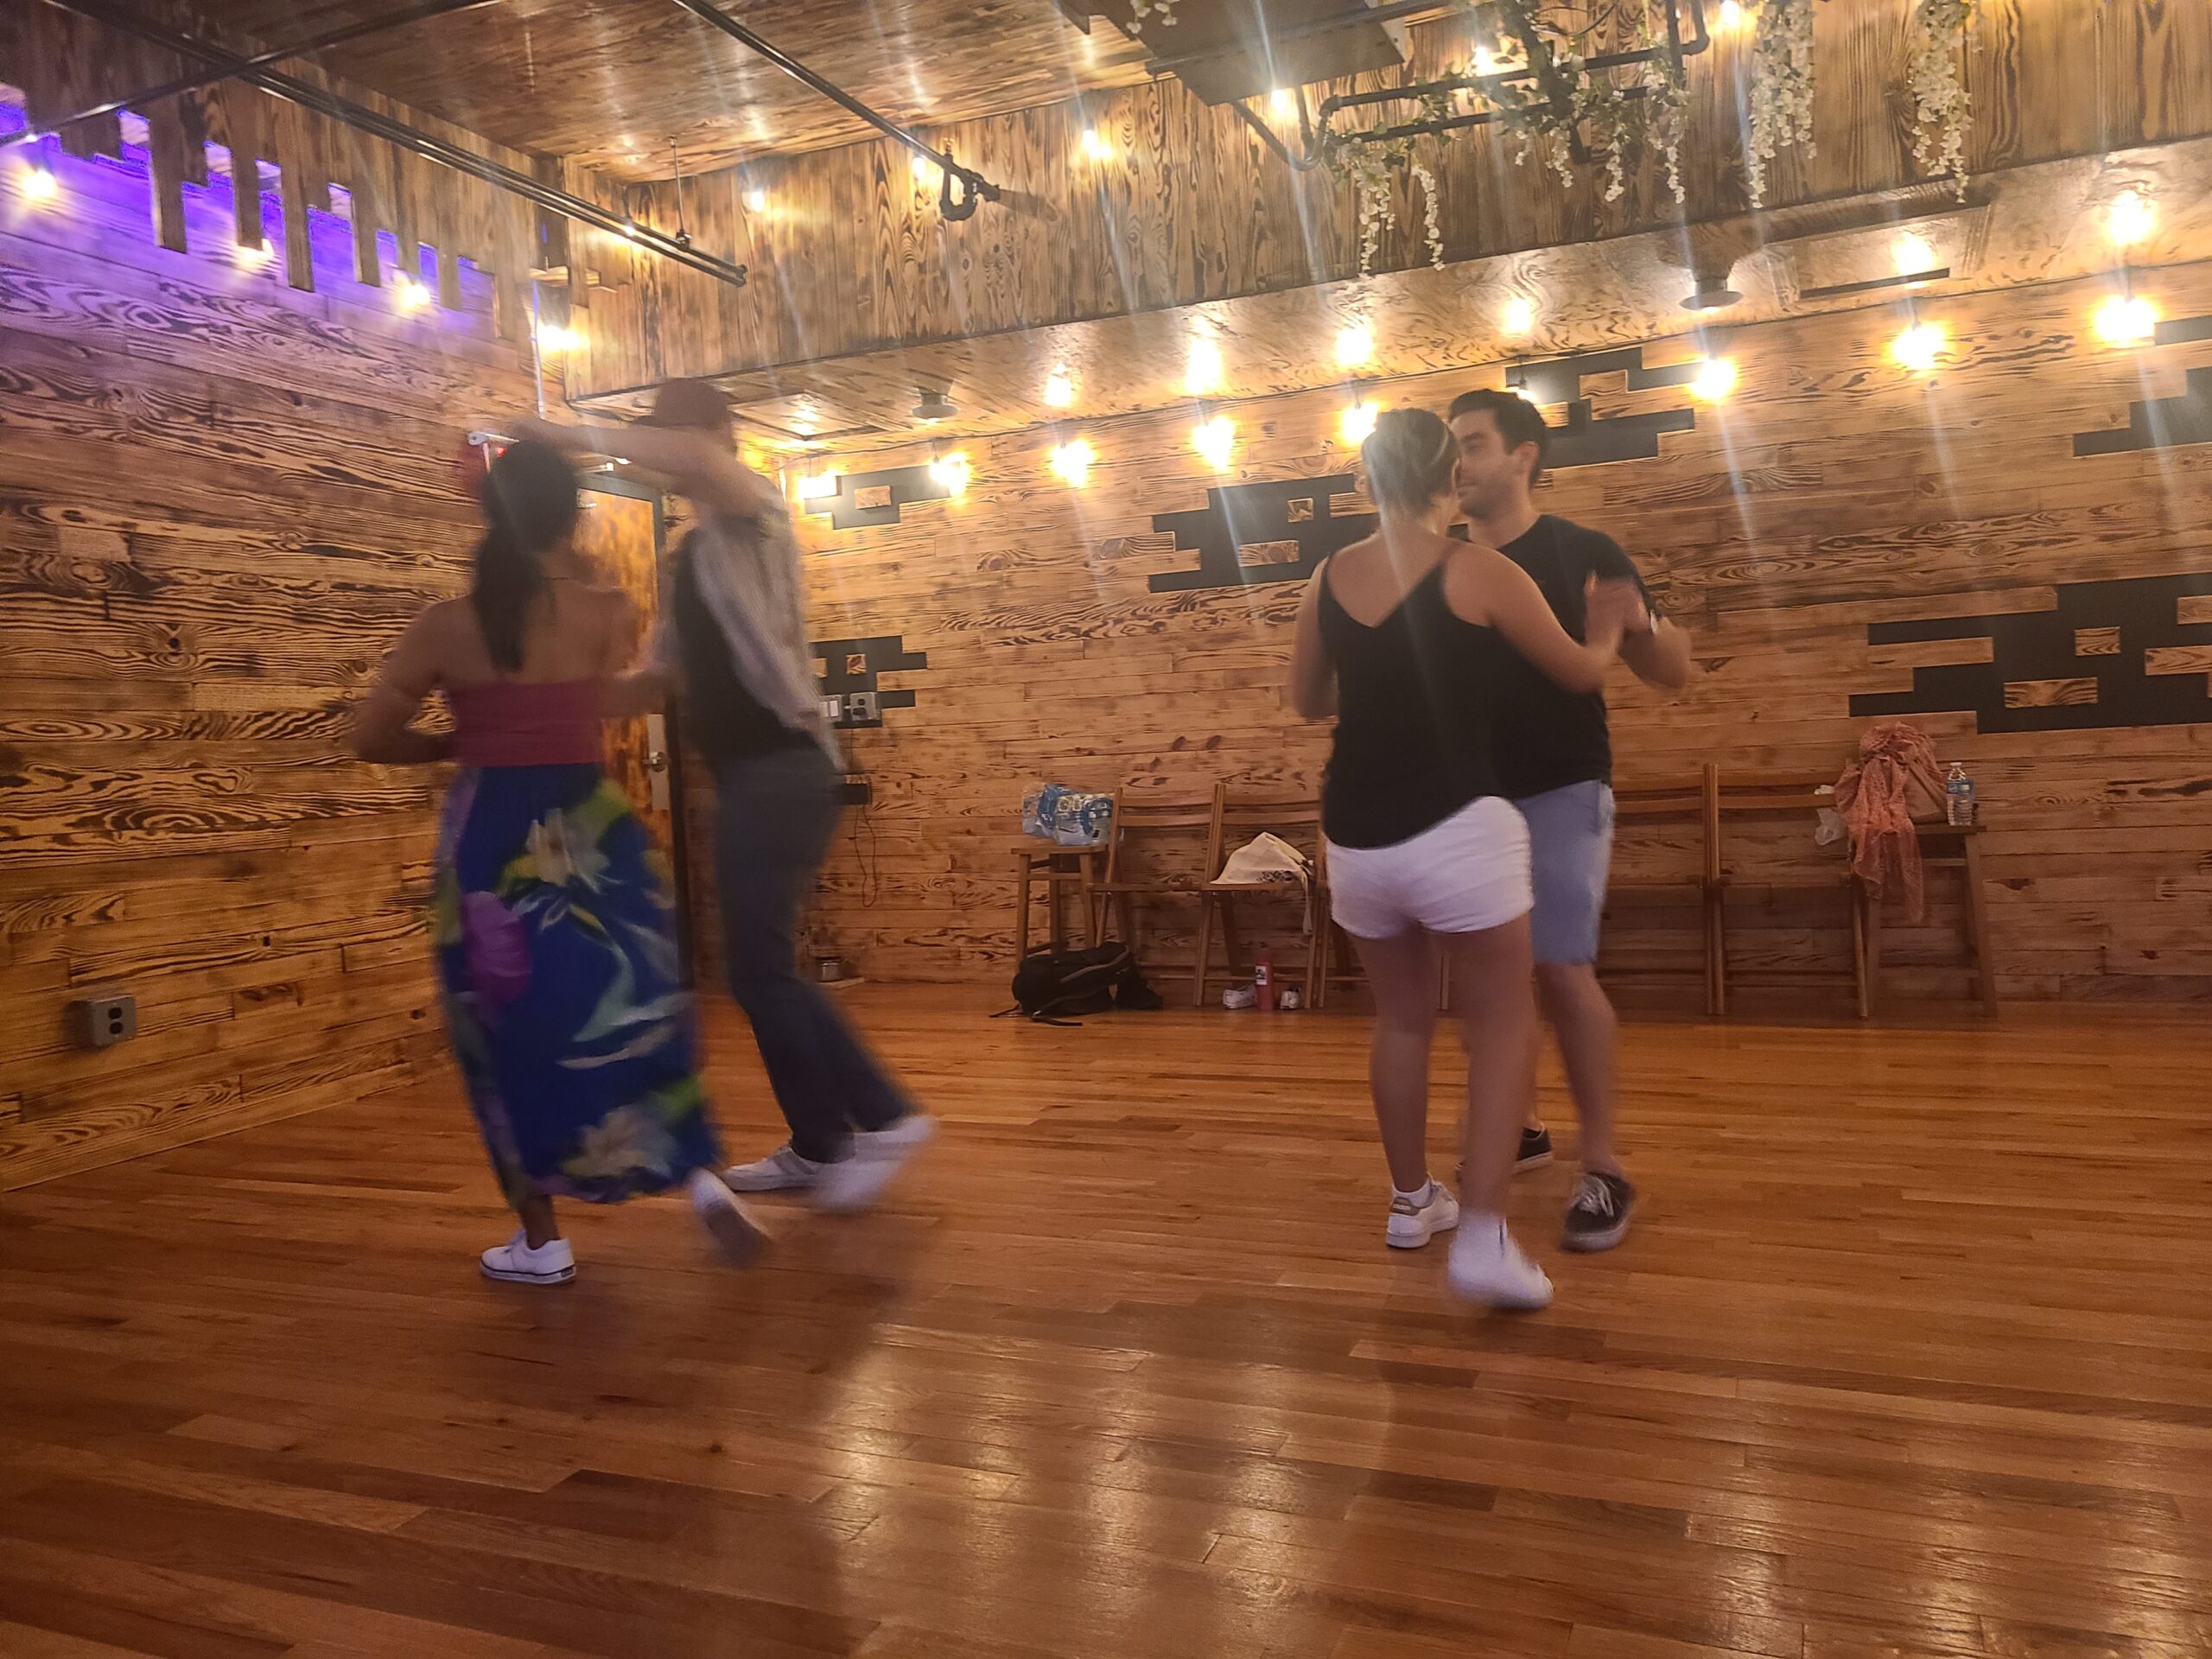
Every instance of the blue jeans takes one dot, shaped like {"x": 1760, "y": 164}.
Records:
{"x": 1570, "y": 852}
{"x": 776, "y": 815}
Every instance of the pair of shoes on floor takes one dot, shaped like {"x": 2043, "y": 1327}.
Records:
{"x": 728, "y": 1223}
{"x": 853, "y": 1182}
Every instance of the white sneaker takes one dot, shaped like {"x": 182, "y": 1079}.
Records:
{"x": 1488, "y": 1266}
{"x": 729, "y": 1223}
{"x": 1413, "y": 1225}
{"x": 514, "y": 1262}
{"x": 781, "y": 1170}
{"x": 856, "y": 1180}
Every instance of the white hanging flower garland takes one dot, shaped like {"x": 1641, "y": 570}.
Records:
{"x": 1431, "y": 225}
{"x": 1782, "y": 89}
{"x": 1934, "y": 43}
{"x": 1163, "y": 9}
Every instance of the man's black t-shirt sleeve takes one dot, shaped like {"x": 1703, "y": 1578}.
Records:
{"x": 1608, "y": 562}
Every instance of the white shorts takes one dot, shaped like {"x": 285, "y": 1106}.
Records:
{"x": 1460, "y": 876}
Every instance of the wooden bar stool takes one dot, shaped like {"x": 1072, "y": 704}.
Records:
{"x": 1057, "y": 870}
{"x": 1960, "y": 850}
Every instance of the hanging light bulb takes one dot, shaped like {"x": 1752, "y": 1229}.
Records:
{"x": 1071, "y": 462}
{"x": 814, "y": 485}
{"x": 1357, "y": 422}
{"x": 1215, "y": 441}
{"x": 1715, "y": 379}
{"x": 2129, "y": 219}
{"x": 409, "y": 293}
{"x": 923, "y": 169}
{"x": 1729, "y": 18}
{"x": 951, "y": 473}
{"x": 1097, "y": 147}
{"x": 756, "y": 200}
{"x": 1355, "y": 345}
{"x": 253, "y": 255}
{"x": 1059, "y": 389}
{"x": 1282, "y": 104}
{"x": 1921, "y": 347}
{"x": 553, "y": 339}
{"x": 39, "y": 185}
{"x": 1485, "y": 61}
{"x": 2125, "y": 320}
{"x": 1913, "y": 254}
{"x": 1202, "y": 371}
{"x": 1519, "y": 316}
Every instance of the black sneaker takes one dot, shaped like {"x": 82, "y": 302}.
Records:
{"x": 1598, "y": 1219}
{"x": 1535, "y": 1150}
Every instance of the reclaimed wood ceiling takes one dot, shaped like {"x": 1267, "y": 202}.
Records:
{"x": 611, "y": 83}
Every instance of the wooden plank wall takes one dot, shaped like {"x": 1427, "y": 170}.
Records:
{"x": 851, "y": 253}
{"x": 219, "y": 500}
{"x": 1836, "y": 489}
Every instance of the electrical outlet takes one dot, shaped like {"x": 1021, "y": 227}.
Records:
{"x": 833, "y": 710}
{"x": 862, "y": 706}
{"x": 103, "y": 1020}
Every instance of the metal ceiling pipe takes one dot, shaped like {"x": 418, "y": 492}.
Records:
{"x": 974, "y": 183}
{"x": 427, "y": 145}
{"x": 193, "y": 82}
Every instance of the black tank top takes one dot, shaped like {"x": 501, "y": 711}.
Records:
{"x": 724, "y": 719}
{"x": 1414, "y": 699}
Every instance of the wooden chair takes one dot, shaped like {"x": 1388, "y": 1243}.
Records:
{"x": 1824, "y": 870}
{"x": 1141, "y": 864}
{"x": 1235, "y": 821}
{"x": 1059, "y": 871}
{"x": 1695, "y": 807}
{"x": 1966, "y": 860}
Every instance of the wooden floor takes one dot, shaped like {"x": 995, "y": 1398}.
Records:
{"x": 1910, "y": 1355}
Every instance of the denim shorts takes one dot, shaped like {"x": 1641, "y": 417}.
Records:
{"x": 1570, "y": 853}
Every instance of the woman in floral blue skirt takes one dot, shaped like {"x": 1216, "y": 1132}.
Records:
{"x": 555, "y": 937}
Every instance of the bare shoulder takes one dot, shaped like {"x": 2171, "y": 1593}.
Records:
{"x": 1472, "y": 573}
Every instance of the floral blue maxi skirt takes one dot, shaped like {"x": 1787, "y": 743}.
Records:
{"x": 565, "y": 993}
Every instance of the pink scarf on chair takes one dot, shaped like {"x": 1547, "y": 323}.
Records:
{"x": 1876, "y": 796}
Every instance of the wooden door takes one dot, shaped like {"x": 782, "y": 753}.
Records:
{"x": 619, "y": 533}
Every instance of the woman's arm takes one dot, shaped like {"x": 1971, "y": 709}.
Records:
{"x": 699, "y": 464}
{"x": 1312, "y": 677}
{"x": 1516, "y": 607}
{"x": 382, "y": 729}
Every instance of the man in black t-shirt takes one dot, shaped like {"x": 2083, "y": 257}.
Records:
{"x": 1554, "y": 758}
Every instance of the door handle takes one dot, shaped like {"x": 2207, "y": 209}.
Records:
{"x": 657, "y": 760}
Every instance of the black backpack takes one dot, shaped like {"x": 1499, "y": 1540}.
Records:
{"x": 1053, "y": 984}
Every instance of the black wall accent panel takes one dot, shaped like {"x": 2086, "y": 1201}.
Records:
{"x": 2047, "y": 646}
{"x": 904, "y": 484}
{"x": 2160, "y": 425}
{"x": 1296, "y": 511}
{"x": 852, "y": 666}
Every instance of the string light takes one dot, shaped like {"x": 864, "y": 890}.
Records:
{"x": 2125, "y": 320}
{"x": 1913, "y": 254}
{"x": 2129, "y": 219}
{"x": 952, "y": 474}
{"x": 1215, "y": 441}
{"x": 1059, "y": 389}
{"x": 1202, "y": 371}
{"x": 39, "y": 185}
{"x": 1355, "y": 345}
{"x": 1715, "y": 379}
{"x": 1519, "y": 316}
{"x": 409, "y": 293}
{"x": 1356, "y": 422}
{"x": 1095, "y": 146}
{"x": 1071, "y": 462}
{"x": 1282, "y": 104}
{"x": 1921, "y": 347}
{"x": 812, "y": 486}
{"x": 756, "y": 200}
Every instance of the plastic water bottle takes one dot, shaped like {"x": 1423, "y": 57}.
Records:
{"x": 1958, "y": 797}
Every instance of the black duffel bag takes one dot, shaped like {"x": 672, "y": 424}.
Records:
{"x": 1052, "y": 985}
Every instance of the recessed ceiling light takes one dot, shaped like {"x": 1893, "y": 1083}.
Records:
{"x": 1922, "y": 346}
{"x": 934, "y": 404}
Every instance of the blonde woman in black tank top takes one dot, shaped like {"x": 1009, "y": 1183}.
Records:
{"x": 1400, "y": 640}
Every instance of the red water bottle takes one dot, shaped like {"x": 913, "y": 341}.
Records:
{"x": 1264, "y": 982}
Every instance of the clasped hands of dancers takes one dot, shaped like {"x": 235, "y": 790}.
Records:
{"x": 1466, "y": 805}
